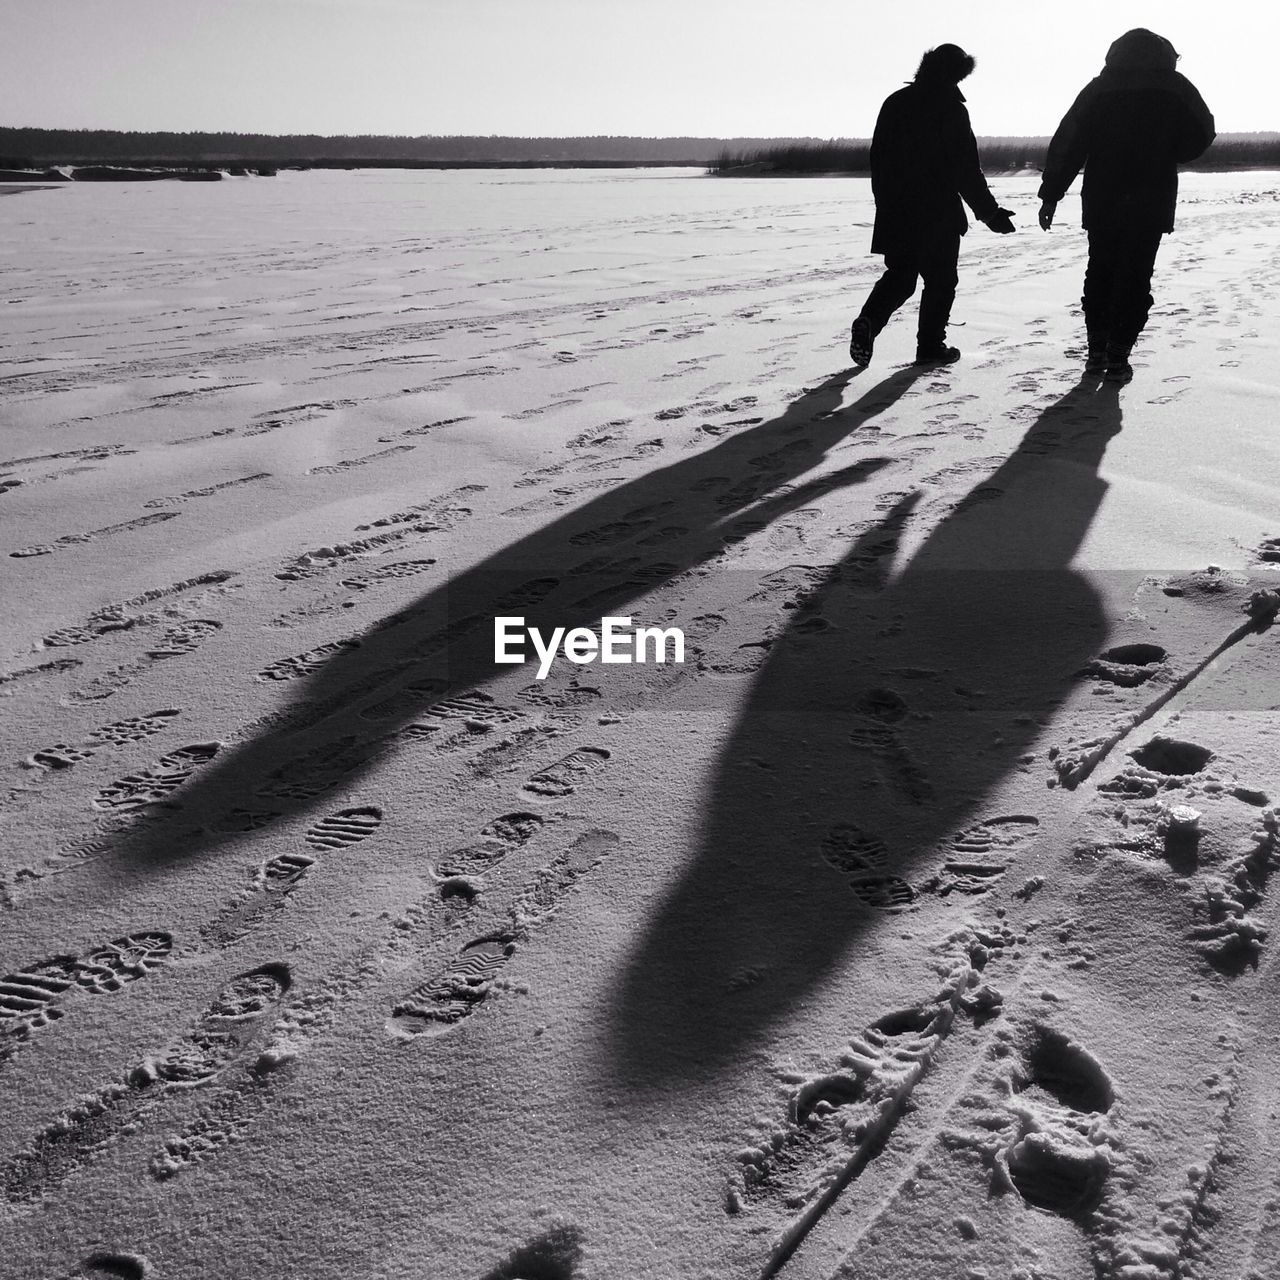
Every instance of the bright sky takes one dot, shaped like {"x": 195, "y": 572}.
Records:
{"x": 766, "y": 68}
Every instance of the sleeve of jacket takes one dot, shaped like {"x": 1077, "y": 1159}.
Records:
{"x": 1068, "y": 149}
{"x": 1197, "y": 131}
{"x": 966, "y": 169}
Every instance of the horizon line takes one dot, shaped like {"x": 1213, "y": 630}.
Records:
{"x": 544, "y": 137}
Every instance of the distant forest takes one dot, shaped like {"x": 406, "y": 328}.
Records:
{"x": 37, "y": 148}
{"x": 998, "y": 155}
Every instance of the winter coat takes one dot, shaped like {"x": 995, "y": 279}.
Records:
{"x": 924, "y": 159}
{"x": 1129, "y": 129}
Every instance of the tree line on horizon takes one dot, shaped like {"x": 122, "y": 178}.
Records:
{"x": 27, "y": 148}
{"x": 996, "y": 155}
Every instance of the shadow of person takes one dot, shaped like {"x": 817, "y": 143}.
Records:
{"x": 598, "y": 559}
{"x": 878, "y": 727}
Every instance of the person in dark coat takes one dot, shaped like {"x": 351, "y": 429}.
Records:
{"x": 924, "y": 163}
{"x": 1129, "y": 129}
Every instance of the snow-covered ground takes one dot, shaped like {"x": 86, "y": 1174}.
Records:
{"x": 914, "y": 926}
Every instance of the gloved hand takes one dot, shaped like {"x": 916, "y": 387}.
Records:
{"x": 1047, "y": 210}
{"x": 1001, "y": 222}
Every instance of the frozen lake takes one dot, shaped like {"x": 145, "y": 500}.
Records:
{"x": 919, "y": 918}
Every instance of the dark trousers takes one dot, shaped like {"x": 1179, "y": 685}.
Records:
{"x": 1117, "y": 283}
{"x": 934, "y": 262}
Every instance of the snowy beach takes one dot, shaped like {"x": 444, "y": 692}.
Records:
{"x": 914, "y": 926}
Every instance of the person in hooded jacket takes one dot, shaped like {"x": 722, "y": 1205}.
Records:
{"x": 1129, "y": 129}
{"x": 924, "y": 162}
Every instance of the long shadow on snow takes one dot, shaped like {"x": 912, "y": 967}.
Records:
{"x": 582, "y": 565}
{"x": 891, "y": 724}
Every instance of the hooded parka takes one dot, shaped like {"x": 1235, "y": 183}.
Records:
{"x": 1129, "y": 129}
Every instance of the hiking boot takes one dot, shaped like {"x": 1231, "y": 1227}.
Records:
{"x": 1117, "y": 367}
{"x": 1096, "y": 359}
{"x": 939, "y": 354}
{"x": 861, "y": 343}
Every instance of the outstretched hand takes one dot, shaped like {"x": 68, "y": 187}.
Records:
{"x": 1001, "y": 222}
{"x": 1047, "y": 209}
